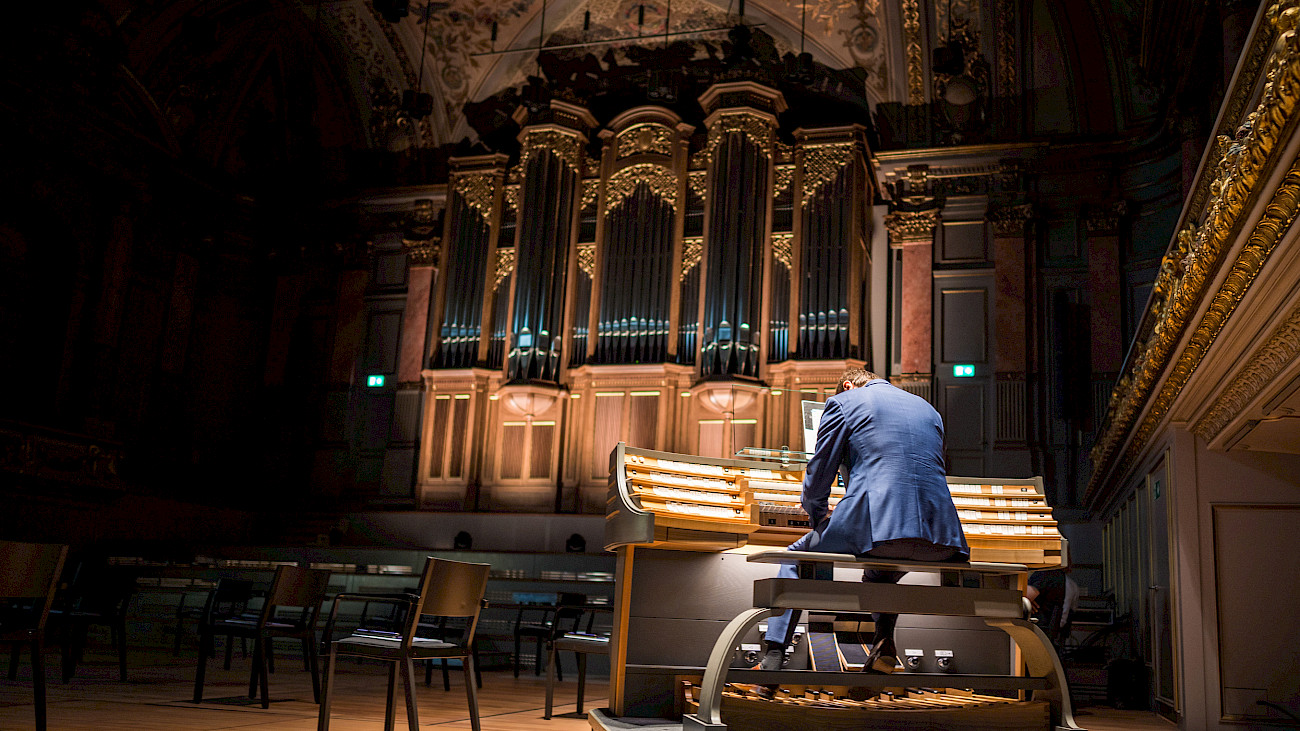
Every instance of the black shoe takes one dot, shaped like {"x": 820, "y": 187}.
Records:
{"x": 883, "y": 658}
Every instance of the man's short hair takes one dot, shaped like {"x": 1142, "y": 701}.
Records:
{"x": 857, "y": 376}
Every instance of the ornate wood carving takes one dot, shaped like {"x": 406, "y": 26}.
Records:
{"x": 821, "y": 163}
{"x": 912, "y": 226}
{"x": 1281, "y": 350}
{"x": 505, "y": 265}
{"x": 661, "y": 180}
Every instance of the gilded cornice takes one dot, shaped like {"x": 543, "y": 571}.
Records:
{"x": 912, "y": 50}
{"x": 692, "y": 250}
{"x": 587, "y": 259}
{"x": 698, "y": 179}
{"x": 1197, "y": 251}
{"x": 1277, "y": 354}
{"x": 645, "y": 138}
{"x": 784, "y": 176}
{"x": 782, "y": 251}
{"x": 505, "y": 265}
{"x": 757, "y": 127}
{"x": 476, "y": 188}
{"x": 565, "y": 145}
{"x": 912, "y": 226}
{"x": 590, "y": 192}
{"x": 821, "y": 163}
{"x": 1011, "y": 220}
{"x": 661, "y": 181}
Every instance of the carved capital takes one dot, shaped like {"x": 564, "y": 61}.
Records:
{"x": 423, "y": 253}
{"x": 1011, "y": 220}
{"x": 912, "y": 226}
{"x": 1105, "y": 221}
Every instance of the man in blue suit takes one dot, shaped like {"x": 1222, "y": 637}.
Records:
{"x": 889, "y": 443}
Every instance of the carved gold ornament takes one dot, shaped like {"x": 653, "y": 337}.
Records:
{"x": 912, "y": 50}
{"x": 505, "y": 266}
{"x": 692, "y": 250}
{"x": 1197, "y": 253}
{"x": 698, "y": 181}
{"x": 476, "y": 189}
{"x": 756, "y": 127}
{"x": 782, "y": 248}
{"x": 784, "y": 177}
{"x": 590, "y": 192}
{"x": 587, "y": 259}
{"x": 565, "y": 146}
{"x": 645, "y": 138}
{"x": 912, "y": 226}
{"x": 821, "y": 163}
{"x": 661, "y": 181}
{"x": 512, "y": 198}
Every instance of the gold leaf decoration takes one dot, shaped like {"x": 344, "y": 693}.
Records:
{"x": 821, "y": 163}
{"x": 692, "y": 251}
{"x": 645, "y": 138}
{"x": 587, "y": 259}
{"x": 912, "y": 226}
{"x": 661, "y": 181}
{"x": 566, "y": 146}
{"x": 505, "y": 266}
{"x": 476, "y": 189}
{"x": 784, "y": 177}
{"x": 782, "y": 247}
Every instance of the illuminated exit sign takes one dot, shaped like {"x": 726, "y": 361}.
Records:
{"x": 958, "y": 371}
{"x": 374, "y": 381}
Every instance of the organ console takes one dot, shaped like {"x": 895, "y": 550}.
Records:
{"x": 682, "y": 527}
{"x": 678, "y": 498}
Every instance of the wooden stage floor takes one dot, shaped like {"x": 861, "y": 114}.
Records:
{"x": 156, "y": 698}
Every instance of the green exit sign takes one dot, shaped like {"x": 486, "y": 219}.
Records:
{"x": 963, "y": 371}
{"x": 374, "y": 381}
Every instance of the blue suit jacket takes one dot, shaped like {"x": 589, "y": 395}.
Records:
{"x": 891, "y": 445}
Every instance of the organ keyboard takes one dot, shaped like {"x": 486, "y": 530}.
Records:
{"x": 666, "y": 500}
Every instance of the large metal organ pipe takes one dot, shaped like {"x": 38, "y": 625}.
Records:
{"x": 545, "y": 229}
{"x": 734, "y": 258}
{"x": 634, "y": 298}
{"x": 825, "y": 292}
{"x": 468, "y": 245}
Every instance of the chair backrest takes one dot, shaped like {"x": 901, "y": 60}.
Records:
{"x": 31, "y": 571}
{"x": 229, "y": 598}
{"x": 295, "y": 586}
{"x": 568, "y": 613}
{"x": 451, "y": 589}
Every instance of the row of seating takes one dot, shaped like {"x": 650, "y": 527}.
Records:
{"x": 435, "y": 620}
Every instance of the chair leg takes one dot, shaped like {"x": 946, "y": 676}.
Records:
{"x": 537, "y": 658}
{"x": 306, "y": 660}
{"x": 69, "y": 650}
{"x": 516, "y": 656}
{"x": 389, "y": 705}
{"x": 323, "y": 718}
{"x": 205, "y": 649}
{"x": 121, "y": 648}
{"x": 180, "y": 624}
{"x": 270, "y": 655}
{"x": 230, "y": 647}
{"x": 252, "y": 672}
{"x": 428, "y": 672}
{"x": 263, "y": 669}
{"x": 446, "y": 678}
{"x": 13, "y": 661}
{"x": 550, "y": 682}
{"x": 478, "y": 667}
{"x": 408, "y": 677}
{"x": 38, "y": 683}
{"x": 582, "y": 676}
{"x": 470, "y": 691}
{"x": 313, "y": 662}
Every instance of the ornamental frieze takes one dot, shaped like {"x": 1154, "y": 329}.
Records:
{"x": 422, "y": 253}
{"x": 566, "y": 146}
{"x": 1105, "y": 221}
{"x": 590, "y": 192}
{"x": 661, "y": 181}
{"x": 692, "y": 251}
{"x": 645, "y": 139}
{"x": 512, "y": 199}
{"x": 505, "y": 266}
{"x": 476, "y": 189}
{"x": 912, "y": 226}
{"x": 1277, "y": 354}
{"x": 822, "y": 162}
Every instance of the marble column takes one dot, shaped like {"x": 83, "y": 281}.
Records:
{"x": 913, "y": 232}
{"x": 422, "y": 248}
{"x": 1012, "y": 257}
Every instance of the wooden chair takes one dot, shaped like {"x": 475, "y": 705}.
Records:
{"x": 29, "y": 575}
{"x": 451, "y": 589}
{"x": 564, "y": 616}
{"x": 293, "y": 587}
{"x": 97, "y": 594}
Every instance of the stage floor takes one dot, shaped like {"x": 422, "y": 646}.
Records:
{"x": 156, "y": 697}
